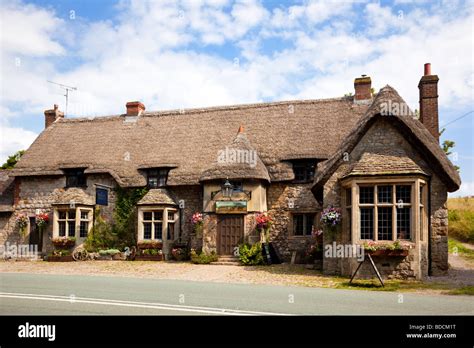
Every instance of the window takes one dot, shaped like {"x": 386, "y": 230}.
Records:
{"x": 303, "y": 224}
{"x": 153, "y": 224}
{"x": 84, "y": 223}
{"x": 171, "y": 225}
{"x": 385, "y": 211}
{"x": 75, "y": 178}
{"x": 348, "y": 206}
{"x": 304, "y": 171}
{"x": 72, "y": 222}
{"x": 67, "y": 223}
{"x": 237, "y": 186}
{"x": 157, "y": 178}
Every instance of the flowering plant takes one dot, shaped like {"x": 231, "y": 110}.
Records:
{"x": 149, "y": 244}
{"x": 22, "y": 221}
{"x": 263, "y": 221}
{"x": 42, "y": 220}
{"x": 331, "y": 217}
{"x": 178, "y": 253}
{"x": 196, "y": 219}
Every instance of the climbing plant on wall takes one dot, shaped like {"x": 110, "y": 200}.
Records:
{"x": 125, "y": 214}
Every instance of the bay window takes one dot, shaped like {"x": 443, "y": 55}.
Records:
{"x": 385, "y": 209}
{"x": 72, "y": 222}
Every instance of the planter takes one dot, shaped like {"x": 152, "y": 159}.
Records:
{"x": 149, "y": 258}
{"x": 66, "y": 258}
{"x": 388, "y": 252}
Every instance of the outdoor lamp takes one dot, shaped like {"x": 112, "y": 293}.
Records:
{"x": 227, "y": 189}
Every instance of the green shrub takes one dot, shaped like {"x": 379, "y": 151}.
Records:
{"x": 60, "y": 252}
{"x": 251, "y": 255}
{"x": 100, "y": 237}
{"x": 203, "y": 258}
{"x": 152, "y": 252}
{"x": 110, "y": 252}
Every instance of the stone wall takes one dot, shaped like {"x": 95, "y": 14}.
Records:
{"x": 382, "y": 137}
{"x": 34, "y": 193}
{"x": 279, "y": 195}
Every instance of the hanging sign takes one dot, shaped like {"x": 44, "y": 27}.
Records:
{"x": 231, "y": 207}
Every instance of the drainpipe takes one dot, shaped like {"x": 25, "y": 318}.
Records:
{"x": 429, "y": 228}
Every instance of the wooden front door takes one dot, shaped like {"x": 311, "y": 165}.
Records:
{"x": 36, "y": 237}
{"x": 230, "y": 233}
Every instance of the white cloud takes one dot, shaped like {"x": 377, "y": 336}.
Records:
{"x": 28, "y": 30}
{"x": 156, "y": 52}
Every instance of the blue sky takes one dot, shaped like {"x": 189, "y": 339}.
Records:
{"x": 178, "y": 54}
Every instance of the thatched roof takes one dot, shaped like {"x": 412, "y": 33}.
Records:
{"x": 72, "y": 195}
{"x": 413, "y": 131}
{"x": 238, "y": 160}
{"x": 157, "y": 196}
{"x": 190, "y": 140}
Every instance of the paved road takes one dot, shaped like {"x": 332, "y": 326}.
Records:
{"x": 35, "y": 294}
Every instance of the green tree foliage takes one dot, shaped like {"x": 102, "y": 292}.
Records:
{"x": 13, "y": 159}
{"x": 448, "y": 145}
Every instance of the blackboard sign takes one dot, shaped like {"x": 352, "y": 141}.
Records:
{"x": 101, "y": 196}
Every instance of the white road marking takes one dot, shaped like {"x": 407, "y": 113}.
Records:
{"x": 148, "y": 305}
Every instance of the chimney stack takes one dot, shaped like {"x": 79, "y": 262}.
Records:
{"x": 362, "y": 86}
{"x": 135, "y": 108}
{"x": 52, "y": 115}
{"x": 428, "y": 87}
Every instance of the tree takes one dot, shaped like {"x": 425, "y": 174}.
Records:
{"x": 448, "y": 145}
{"x": 13, "y": 159}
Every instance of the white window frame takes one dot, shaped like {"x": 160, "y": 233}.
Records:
{"x": 164, "y": 222}
{"x": 418, "y": 229}
{"x": 77, "y": 221}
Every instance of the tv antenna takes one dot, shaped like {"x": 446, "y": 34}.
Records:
{"x": 67, "y": 89}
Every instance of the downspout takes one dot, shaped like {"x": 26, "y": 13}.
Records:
{"x": 429, "y": 228}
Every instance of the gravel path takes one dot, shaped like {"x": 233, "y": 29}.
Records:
{"x": 274, "y": 275}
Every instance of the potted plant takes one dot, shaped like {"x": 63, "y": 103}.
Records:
{"x": 197, "y": 221}
{"x": 179, "y": 254}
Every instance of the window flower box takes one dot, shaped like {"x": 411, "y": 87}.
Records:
{"x": 149, "y": 257}
{"x": 388, "y": 252}
{"x": 149, "y": 244}
{"x": 56, "y": 258}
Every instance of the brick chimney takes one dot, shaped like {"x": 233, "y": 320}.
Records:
{"x": 428, "y": 87}
{"x": 52, "y": 115}
{"x": 362, "y": 86}
{"x": 135, "y": 108}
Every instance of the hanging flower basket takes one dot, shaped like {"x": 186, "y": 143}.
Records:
{"x": 330, "y": 219}
{"x": 197, "y": 221}
{"x": 22, "y": 223}
{"x": 264, "y": 222}
{"x": 42, "y": 220}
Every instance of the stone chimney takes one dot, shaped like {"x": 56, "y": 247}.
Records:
{"x": 135, "y": 108}
{"x": 428, "y": 87}
{"x": 362, "y": 86}
{"x": 52, "y": 115}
